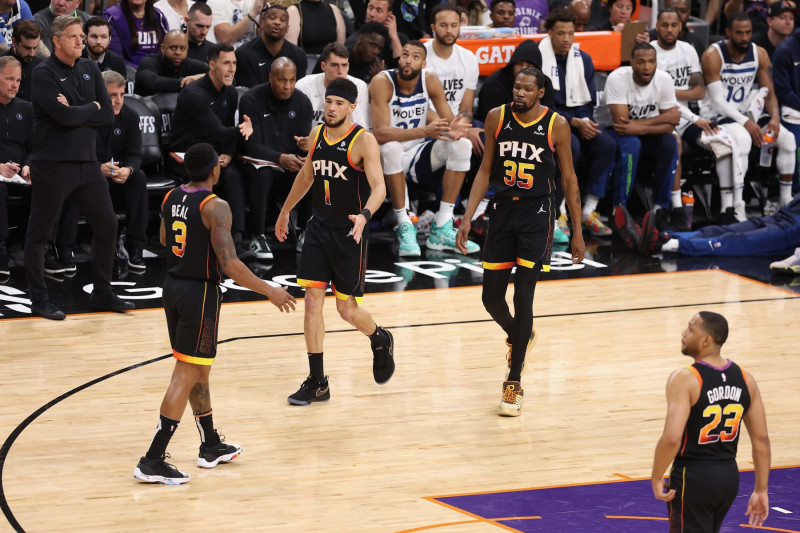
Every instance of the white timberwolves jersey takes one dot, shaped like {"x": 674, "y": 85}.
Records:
{"x": 408, "y": 110}
{"x": 737, "y": 78}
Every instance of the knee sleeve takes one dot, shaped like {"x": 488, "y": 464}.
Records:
{"x": 458, "y": 155}
{"x": 785, "y": 156}
{"x": 392, "y": 157}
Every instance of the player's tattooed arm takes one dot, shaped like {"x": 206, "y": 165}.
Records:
{"x": 218, "y": 218}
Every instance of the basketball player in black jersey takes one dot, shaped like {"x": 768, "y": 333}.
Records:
{"x": 344, "y": 168}
{"x": 519, "y": 161}
{"x": 706, "y": 403}
{"x": 196, "y": 229}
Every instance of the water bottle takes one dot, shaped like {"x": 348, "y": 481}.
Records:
{"x": 766, "y": 149}
{"x": 687, "y": 199}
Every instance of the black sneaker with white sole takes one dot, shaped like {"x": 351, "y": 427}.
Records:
{"x": 135, "y": 259}
{"x": 159, "y": 471}
{"x": 51, "y": 263}
{"x": 311, "y": 390}
{"x": 213, "y": 454}
{"x": 260, "y": 247}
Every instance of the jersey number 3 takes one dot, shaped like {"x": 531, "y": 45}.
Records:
{"x": 729, "y": 418}
{"x": 518, "y": 174}
{"x": 180, "y": 238}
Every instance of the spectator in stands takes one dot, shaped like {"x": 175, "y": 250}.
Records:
{"x": 11, "y": 12}
{"x": 44, "y": 18}
{"x": 255, "y": 57}
{"x": 315, "y": 23}
{"x": 680, "y": 60}
{"x": 529, "y": 15}
{"x": 682, "y": 7}
{"x": 335, "y": 63}
{"x": 411, "y": 146}
{"x": 365, "y": 61}
{"x": 756, "y": 11}
{"x": 170, "y": 70}
{"x": 234, "y": 22}
{"x": 137, "y": 28}
{"x": 786, "y": 76}
{"x": 572, "y": 73}
{"x": 780, "y": 25}
{"x": 730, "y": 69}
{"x": 380, "y": 11}
{"x": 476, "y": 10}
{"x": 206, "y": 112}
{"x": 16, "y": 129}
{"x": 619, "y": 14}
{"x": 64, "y": 164}
{"x": 175, "y": 12}
{"x": 197, "y": 25}
{"x": 496, "y": 89}
{"x": 281, "y": 122}
{"x": 581, "y": 12}
{"x": 502, "y": 14}
{"x": 24, "y": 44}
{"x": 644, "y": 111}
{"x": 98, "y": 39}
{"x": 411, "y": 17}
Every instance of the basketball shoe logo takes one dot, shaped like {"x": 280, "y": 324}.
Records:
{"x": 320, "y": 392}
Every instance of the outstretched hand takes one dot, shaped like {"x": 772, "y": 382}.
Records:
{"x": 280, "y": 298}
{"x": 359, "y": 221}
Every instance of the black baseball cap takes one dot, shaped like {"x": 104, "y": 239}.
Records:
{"x": 776, "y": 8}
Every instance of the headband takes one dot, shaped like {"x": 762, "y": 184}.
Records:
{"x": 333, "y": 91}
{"x": 203, "y": 173}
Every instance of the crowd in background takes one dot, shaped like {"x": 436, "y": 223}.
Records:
{"x": 706, "y": 108}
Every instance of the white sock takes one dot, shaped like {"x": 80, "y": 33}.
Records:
{"x": 444, "y": 214}
{"x": 676, "y": 198}
{"x": 590, "y": 204}
{"x": 738, "y": 200}
{"x": 725, "y": 199}
{"x": 481, "y": 208}
{"x": 786, "y": 192}
{"x": 562, "y": 209}
{"x": 670, "y": 246}
{"x": 402, "y": 216}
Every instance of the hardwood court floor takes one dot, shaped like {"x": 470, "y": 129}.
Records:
{"x": 364, "y": 461}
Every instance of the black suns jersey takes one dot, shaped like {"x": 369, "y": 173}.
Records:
{"x": 712, "y": 431}
{"x": 525, "y": 161}
{"x": 189, "y": 250}
{"x": 340, "y": 187}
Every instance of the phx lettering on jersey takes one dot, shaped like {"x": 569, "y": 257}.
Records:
{"x": 330, "y": 169}
{"x": 520, "y": 150}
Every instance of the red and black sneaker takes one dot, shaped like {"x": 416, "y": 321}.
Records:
{"x": 627, "y": 228}
{"x": 651, "y": 239}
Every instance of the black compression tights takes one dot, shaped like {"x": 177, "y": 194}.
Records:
{"x": 517, "y": 328}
